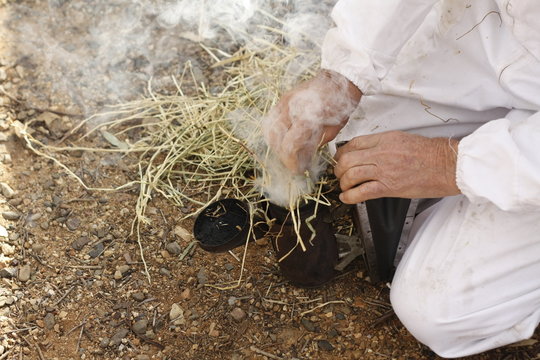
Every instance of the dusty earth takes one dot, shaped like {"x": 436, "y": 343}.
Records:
{"x": 72, "y": 283}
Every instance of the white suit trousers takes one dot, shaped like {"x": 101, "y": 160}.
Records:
{"x": 470, "y": 280}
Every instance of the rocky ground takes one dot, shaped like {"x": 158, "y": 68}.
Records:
{"x": 73, "y": 286}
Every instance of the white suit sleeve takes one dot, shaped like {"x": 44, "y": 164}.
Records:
{"x": 500, "y": 162}
{"x": 368, "y": 36}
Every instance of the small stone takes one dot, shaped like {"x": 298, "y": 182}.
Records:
{"x": 201, "y": 276}
{"x": 104, "y": 342}
{"x": 142, "y": 357}
{"x": 183, "y": 233}
{"x": 102, "y": 232}
{"x": 3, "y": 232}
{"x": 340, "y": 316}
{"x": 231, "y": 301}
{"x": 117, "y": 275}
{"x": 8, "y": 273}
{"x": 184, "y": 295}
{"x": 116, "y": 339}
{"x": 97, "y": 250}
{"x": 139, "y": 327}
{"x": 24, "y": 273}
{"x": 176, "y": 313}
{"x": 7, "y": 191}
{"x": 138, "y": 296}
{"x": 7, "y": 249}
{"x": 228, "y": 266}
{"x": 308, "y": 325}
{"x": 80, "y": 243}
{"x": 49, "y": 321}
{"x": 123, "y": 269}
{"x": 333, "y": 333}
{"x": 325, "y": 345}
{"x": 164, "y": 271}
{"x": 2, "y": 349}
{"x": 173, "y": 248}
{"x": 73, "y": 223}
{"x": 37, "y": 248}
{"x": 11, "y": 215}
{"x": 238, "y": 314}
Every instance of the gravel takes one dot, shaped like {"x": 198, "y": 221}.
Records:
{"x": 11, "y": 215}
{"x": 238, "y": 314}
{"x": 173, "y": 248}
{"x": 120, "y": 334}
{"x": 24, "y": 273}
{"x": 139, "y": 327}
{"x": 80, "y": 243}
{"x": 49, "y": 321}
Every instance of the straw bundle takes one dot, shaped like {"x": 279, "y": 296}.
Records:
{"x": 189, "y": 151}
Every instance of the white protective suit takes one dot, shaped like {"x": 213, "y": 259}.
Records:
{"x": 470, "y": 280}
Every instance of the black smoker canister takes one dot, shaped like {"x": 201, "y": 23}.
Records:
{"x": 315, "y": 266}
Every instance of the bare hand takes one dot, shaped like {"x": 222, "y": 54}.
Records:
{"x": 396, "y": 164}
{"x": 308, "y": 117}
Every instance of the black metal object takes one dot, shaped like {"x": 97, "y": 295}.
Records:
{"x": 314, "y": 266}
{"x": 224, "y": 225}
{"x": 380, "y": 223}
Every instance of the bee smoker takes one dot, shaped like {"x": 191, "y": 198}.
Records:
{"x": 314, "y": 266}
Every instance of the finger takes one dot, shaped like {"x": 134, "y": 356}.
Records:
{"x": 366, "y": 191}
{"x": 358, "y": 143}
{"x": 357, "y": 175}
{"x": 298, "y": 146}
{"x": 353, "y": 158}
{"x": 276, "y": 123}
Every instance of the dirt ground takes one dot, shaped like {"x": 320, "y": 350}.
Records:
{"x": 73, "y": 286}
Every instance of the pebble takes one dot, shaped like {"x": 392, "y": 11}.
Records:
{"x": 2, "y": 349}
{"x": 80, "y": 243}
{"x": 3, "y": 232}
{"x": 333, "y": 333}
{"x": 104, "y": 342}
{"x": 117, "y": 275}
{"x": 11, "y": 215}
{"x": 102, "y": 232}
{"x": 177, "y": 314}
{"x": 138, "y": 296}
{"x": 8, "y": 273}
{"x": 49, "y": 321}
{"x": 24, "y": 273}
{"x": 142, "y": 357}
{"x": 202, "y": 278}
{"x": 173, "y": 248}
{"x": 183, "y": 233}
{"x": 340, "y": 316}
{"x": 164, "y": 271}
{"x": 96, "y": 250}
{"x": 185, "y": 294}
{"x": 308, "y": 325}
{"x": 238, "y": 314}
{"x": 38, "y": 248}
{"x": 228, "y": 266}
{"x": 7, "y": 191}
{"x": 116, "y": 339}
{"x": 73, "y": 223}
{"x": 325, "y": 345}
{"x": 140, "y": 326}
{"x": 7, "y": 249}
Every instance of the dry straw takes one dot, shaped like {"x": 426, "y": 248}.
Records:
{"x": 187, "y": 150}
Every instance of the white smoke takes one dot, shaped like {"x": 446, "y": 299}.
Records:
{"x": 93, "y": 53}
